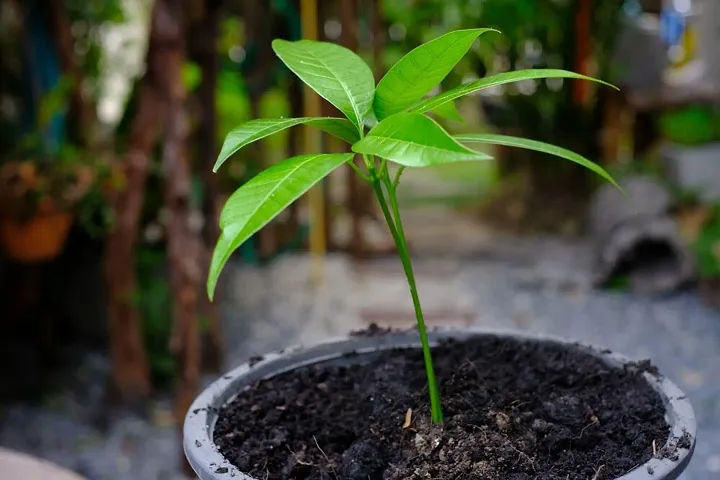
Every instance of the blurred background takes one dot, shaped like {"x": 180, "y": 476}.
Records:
{"x": 111, "y": 117}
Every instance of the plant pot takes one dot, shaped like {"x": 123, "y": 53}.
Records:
{"x": 201, "y": 421}
{"x": 40, "y": 239}
{"x": 634, "y": 234}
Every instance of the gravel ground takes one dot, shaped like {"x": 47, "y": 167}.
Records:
{"x": 535, "y": 285}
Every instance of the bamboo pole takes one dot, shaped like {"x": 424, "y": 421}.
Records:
{"x": 312, "y": 140}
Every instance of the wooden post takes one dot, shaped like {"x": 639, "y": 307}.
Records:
{"x": 309, "y": 19}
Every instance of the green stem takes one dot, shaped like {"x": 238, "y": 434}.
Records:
{"x": 362, "y": 175}
{"x": 397, "y": 177}
{"x": 396, "y": 230}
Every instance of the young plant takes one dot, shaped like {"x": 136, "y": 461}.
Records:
{"x": 387, "y": 122}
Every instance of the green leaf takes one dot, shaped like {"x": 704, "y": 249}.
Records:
{"x": 493, "y": 139}
{"x": 254, "y": 130}
{"x": 262, "y": 198}
{"x": 449, "y": 111}
{"x": 191, "y": 76}
{"x": 334, "y": 72}
{"x": 414, "y": 140}
{"x": 419, "y": 71}
{"x": 499, "y": 79}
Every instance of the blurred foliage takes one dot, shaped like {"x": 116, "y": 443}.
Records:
{"x": 88, "y": 18}
{"x": 13, "y": 78}
{"x": 39, "y": 172}
{"x": 232, "y": 34}
{"x": 233, "y": 102}
{"x": 618, "y": 283}
{"x": 155, "y": 304}
{"x": 232, "y": 99}
{"x": 70, "y": 179}
{"x": 707, "y": 246}
{"x": 192, "y": 76}
{"x": 692, "y": 125}
{"x": 535, "y": 34}
{"x": 87, "y": 21}
{"x": 276, "y": 104}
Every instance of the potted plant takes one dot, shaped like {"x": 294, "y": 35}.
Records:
{"x": 41, "y": 196}
{"x": 374, "y": 405}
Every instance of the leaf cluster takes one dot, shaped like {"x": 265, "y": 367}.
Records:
{"x": 384, "y": 122}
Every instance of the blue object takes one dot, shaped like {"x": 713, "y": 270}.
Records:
{"x": 633, "y": 9}
{"x": 45, "y": 72}
{"x": 672, "y": 26}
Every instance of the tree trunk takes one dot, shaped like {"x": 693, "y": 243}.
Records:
{"x": 209, "y": 62}
{"x": 183, "y": 238}
{"x": 130, "y": 366}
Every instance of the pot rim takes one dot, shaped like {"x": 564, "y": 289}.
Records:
{"x": 209, "y": 464}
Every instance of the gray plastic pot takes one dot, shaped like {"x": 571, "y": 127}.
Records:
{"x": 209, "y": 464}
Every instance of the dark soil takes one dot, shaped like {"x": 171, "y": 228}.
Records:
{"x": 513, "y": 411}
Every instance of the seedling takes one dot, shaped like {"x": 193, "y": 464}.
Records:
{"x": 387, "y": 122}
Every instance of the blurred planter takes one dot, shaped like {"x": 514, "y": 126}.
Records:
{"x": 38, "y": 239}
{"x": 634, "y": 235}
{"x": 39, "y": 200}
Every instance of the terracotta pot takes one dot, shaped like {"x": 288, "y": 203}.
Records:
{"x": 39, "y": 239}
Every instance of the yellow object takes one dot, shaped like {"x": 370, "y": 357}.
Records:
{"x": 309, "y": 19}
{"x": 688, "y": 46}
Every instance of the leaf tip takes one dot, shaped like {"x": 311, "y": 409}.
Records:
{"x": 219, "y": 162}
{"x": 278, "y": 43}
{"x": 211, "y": 290}
{"x": 607, "y": 84}
{"x": 604, "y": 174}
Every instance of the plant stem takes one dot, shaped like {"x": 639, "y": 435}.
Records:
{"x": 358, "y": 171}
{"x": 396, "y": 230}
{"x": 397, "y": 177}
